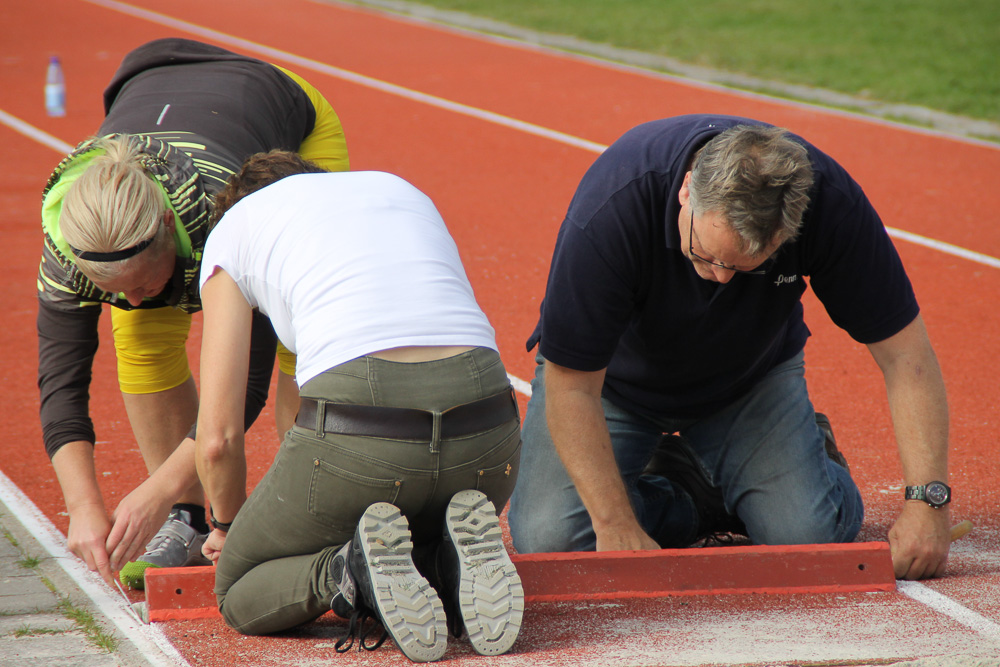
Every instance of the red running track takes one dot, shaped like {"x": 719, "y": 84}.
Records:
{"x": 498, "y": 134}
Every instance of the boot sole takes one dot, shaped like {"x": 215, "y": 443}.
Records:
{"x": 490, "y": 597}
{"x": 410, "y": 609}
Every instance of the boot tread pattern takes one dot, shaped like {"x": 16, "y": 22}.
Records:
{"x": 491, "y": 598}
{"x": 408, "y": 605}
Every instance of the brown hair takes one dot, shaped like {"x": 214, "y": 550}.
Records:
{"x": 259, "y": 171}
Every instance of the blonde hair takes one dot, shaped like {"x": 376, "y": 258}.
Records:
{"x": 114, "y": 205}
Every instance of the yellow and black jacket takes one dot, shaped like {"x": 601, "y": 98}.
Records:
{"x": 197, "y": 111}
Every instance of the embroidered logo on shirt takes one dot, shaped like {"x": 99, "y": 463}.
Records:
{"x": 784, "y": 280}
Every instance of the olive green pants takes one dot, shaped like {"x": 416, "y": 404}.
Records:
{"x": 274, "y": 572}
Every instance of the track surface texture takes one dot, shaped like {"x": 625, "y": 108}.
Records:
{"x": 498, "y": 134}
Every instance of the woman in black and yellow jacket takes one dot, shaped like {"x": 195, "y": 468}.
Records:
{"x": 125, "y": 218}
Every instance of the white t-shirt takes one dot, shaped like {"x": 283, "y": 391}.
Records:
{"x": 347, "y": 264}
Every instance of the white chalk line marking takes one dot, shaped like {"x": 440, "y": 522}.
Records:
{"x": 948, "y": 607}
{"x": 148, "y": 639}
{"x": 519, "y": 385}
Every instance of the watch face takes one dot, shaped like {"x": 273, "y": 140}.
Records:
{"x": 937, "y": 493}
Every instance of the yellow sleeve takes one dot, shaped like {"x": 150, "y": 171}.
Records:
{"x": 325, "y": 145}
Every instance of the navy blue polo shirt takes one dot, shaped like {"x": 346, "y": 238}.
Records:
{"x": 621, "y": 295}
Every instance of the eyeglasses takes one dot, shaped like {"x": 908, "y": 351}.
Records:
{"x": 694, "y": 255}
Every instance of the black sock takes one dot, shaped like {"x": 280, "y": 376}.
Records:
{"x": 197, "y": 513}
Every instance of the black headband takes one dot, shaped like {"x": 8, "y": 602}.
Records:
{"x": 115, "y": 256}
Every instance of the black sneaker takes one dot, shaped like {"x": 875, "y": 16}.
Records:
{"x": 831, "y": 444}
{"x": 377, "y": 579}
{"x": 479, "y": 583}
{"x": 343, "y": 602}
{"x": 674, "y": 460}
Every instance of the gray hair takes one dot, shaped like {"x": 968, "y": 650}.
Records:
{"x": 114, "y": 205}
{"x": 758, "y": 178}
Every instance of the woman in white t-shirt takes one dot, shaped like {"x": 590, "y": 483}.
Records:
{"x": 408, "y": 428}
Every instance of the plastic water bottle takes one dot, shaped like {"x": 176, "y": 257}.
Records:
{"x": 55, "y": 89}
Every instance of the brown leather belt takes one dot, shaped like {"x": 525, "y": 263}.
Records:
{"x": 407, "y": 423}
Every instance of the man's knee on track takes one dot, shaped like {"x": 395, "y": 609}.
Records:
{"x": 830, "y": 528}
{"x": 538, "y": 531}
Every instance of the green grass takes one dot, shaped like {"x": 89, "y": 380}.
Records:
{"x": 29, "y": 562}
{"x": 88, "y": 624}
{"x": 83, "y": 619}
{"x": 941, "y": 55}
{"x": 85, "y": 622}
{"x": 28, "y": 631}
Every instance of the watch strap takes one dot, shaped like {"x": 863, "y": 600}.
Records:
{"x": 218, "y": 525}
{"x": 931, "y": 498}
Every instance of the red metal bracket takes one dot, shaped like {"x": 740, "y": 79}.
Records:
{"x": 183, "y": 593}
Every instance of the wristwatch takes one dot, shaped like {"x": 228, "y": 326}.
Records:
{"x": 935, "y": 494}
{"x": 218, "y": 525}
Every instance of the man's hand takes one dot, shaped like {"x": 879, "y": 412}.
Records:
{"x": 919, "y": 541}
{"x": 136, "y": 519}
{"x": 88, "y": 531}
{"x": 580, "y": 435}
{"x": 212, "y": 548}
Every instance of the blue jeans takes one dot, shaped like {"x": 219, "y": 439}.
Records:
{"x": 764, "y": 452}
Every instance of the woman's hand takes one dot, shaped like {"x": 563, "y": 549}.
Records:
{"x": 213, "y": 545}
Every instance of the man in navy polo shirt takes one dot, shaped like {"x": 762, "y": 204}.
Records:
{"x": 673, "y": 307}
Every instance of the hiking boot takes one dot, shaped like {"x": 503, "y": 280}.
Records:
{"x": 480, "y": 586}
{"x": 675, "y": 460}
{"x": 176, "y": 544}
{"x": 830, "y": 443}
{"x": 377, "y": 579}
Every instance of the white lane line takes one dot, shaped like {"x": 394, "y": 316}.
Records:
{"x": 149, "y": 640}
{"x": 949, "y": 607}
{"x": 520, "y": 385}
{"x": 33, "y": 132}
{"x": 347, "y": 75}
{"x": 946, "y": 248}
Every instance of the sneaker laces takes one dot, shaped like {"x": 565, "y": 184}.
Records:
{"x": 167, "y": 534}
{"x": 718, "y": 539}
{"x": 348, "y": 603}
{"x": 356, "y": 630}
